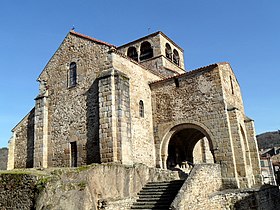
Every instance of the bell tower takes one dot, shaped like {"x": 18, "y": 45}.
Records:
{"x": 157, "y": 52}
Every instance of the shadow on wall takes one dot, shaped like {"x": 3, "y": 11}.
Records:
{"x": 92, "y": 145}
{"x": 30, "y": 139}
{"x": 266, "y": 197}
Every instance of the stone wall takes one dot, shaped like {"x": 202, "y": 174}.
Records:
{"x": 244, "y": 144}
{"x": 203, "y": 189}
{"x": 196, "y": 99}
{"x": 200, "y": 100}
{"x": 203, "y": 180}
{"x": 265, "y": 197}
{"x": 142, "y": 142}
{"x": 3, "y": 158}
{"x": 23, "y": 143}
{"x": 17, "y": 191}
{"x": 73, "y": 111}
{"x": 231, "y": 88}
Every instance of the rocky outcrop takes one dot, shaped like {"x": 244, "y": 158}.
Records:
{"x": 98, "y": 186}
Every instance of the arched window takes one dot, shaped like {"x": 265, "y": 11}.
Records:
{"x": 132, "y": 53}
{"x": 176, "y": 58}
{"x": 168, "y": 51}
{"x": 141, "y": 108}
{"x": 146, "y": 51}
{"x": 72, "y": 75}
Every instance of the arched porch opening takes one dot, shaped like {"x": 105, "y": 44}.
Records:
{"x": 184, "y": 145}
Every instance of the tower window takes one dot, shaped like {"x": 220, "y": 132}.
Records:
{"x": 176, "y": 58}
{"x": 132, "y": 53}
{"x": 146, "y": 51}
{"x": 72, "y": 75}
{"x": 141, "y": 108}
{"x": 168, "y": 51}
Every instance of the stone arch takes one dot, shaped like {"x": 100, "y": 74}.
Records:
{"x": 201, "y": 131}
{"x": 168, "y": 51}
{"x": 146, "y": 51}
{"x": 132, "y": 53}
{"x": 176, "y": 58}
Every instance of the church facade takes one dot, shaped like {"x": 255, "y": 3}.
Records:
{"x": 136, "y": 103}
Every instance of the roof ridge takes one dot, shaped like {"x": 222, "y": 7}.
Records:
{"x": 91, "y": 38}
{"x": 189, "y": 72}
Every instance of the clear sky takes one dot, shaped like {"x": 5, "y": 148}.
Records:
{"x": 244, "y": 33}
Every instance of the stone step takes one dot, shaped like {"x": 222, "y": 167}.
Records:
{"x": 152, "y": 202}
{"x": 171, "y": 183}
{"x": 157, "y": 206}
{"x": 157, "y": 195}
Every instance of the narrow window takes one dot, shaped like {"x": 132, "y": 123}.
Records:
{"x": 168, "y": 51}
{"x": 231, "y": 85}
{"x": 176, "y": 80}
{"x": 176, "y": 58}
{"x": 74, "y": 154}
{"x": 132, "y": 53}
{"x": 72, "y": 75}
{"x": 146, "y": 51}
{"x": 141, "y": 108}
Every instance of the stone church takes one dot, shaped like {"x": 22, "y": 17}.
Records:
{"x": 136, "y": 103}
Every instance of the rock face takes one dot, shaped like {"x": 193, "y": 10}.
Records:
{"x": 3, "y": 158}
{"x": 116, "y": 187}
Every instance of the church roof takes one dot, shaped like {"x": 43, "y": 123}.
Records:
{"x": 189, "y": 73}
{"x": 90, "y": 38}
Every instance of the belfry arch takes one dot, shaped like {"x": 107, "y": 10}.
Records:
{"x": 177, "y": 146}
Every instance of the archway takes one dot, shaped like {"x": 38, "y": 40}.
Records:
{"x": 186, "y": 144}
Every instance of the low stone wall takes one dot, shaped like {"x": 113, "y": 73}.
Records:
{"x": 204, "y": 179}
{"x": 100, "y": 186}
{"x": 17, "y": 191}
{"x": 203, "y": 190}
{"x": 265, "y": 197}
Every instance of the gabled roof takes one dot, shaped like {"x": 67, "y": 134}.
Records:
{"x": 90, "y": 38}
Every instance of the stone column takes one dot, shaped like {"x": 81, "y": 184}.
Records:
{"x": 107, "y": 117}
{"x": 122, "y": 105}
{"x": 41, "y": 128}
{"x": 253, "y": 147}
{"x": 11, "y": 153}
{"x": 114, "y": 121}
{"x": 239, "y": 148}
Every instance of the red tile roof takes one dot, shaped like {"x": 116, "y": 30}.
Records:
{"x": 90, "y": 38}
{"x": 205, "y": 68}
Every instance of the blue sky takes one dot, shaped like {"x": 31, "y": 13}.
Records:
{"x": 244, "y": 33}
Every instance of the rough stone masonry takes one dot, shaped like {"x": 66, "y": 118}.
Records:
{"x": 136, "y": 103}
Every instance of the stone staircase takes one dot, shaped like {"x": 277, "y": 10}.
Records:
{"x": 157, "y": 195}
